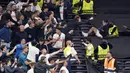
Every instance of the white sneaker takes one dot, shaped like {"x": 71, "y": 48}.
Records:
{"x": 91, "y": 18}
{"x": 84, "y": 34}
{"x": 71, "y": 31}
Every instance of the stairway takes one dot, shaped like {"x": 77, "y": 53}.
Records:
{"x": 83, "y": 67}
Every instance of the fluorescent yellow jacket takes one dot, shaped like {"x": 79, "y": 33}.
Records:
{"x": 102, "y": 52}
{"x": 87, "y": 7}
{"x": 75, "y": 10}
{"x": 90, "y": 52}
{"x": 67, "y": 51}
{"x": 40, "y": 3}
{"x": 116, "y": 33}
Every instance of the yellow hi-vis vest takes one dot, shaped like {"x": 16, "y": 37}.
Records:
{"x": 76, "y": 9}
{"x": 102, "y": 52}
{"x": 67, "y": 51}
{"x": 87, "y": 7}
{"x": 90, "y": 52}
{"x": 40, "y": 3}
{"x": 116, "y": 33}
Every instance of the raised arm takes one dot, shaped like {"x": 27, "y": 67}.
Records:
{"x": 54, "y": 53}
{"x": 11, "y": 52}
{"x": 26, "y": 2}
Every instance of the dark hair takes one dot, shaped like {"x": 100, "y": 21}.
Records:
{"x": 106, "y": 21}
{"x": 19, "y": 64}
{"x": 34, "y": 43}
{"x": 41, "y": 39}
{"x": 48, "y": 27}
{"x": 44, "y": 7}
{"x": 7, "y": 60}
{"x": 58, "y": 28}
{"x": 104, "y": 41}
{"x": 50, "y": 59}
{"x": 2, "y": 47}
{"x": 89, "y": 39}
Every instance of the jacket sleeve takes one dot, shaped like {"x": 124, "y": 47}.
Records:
{"x": 1, "y": 32}
{"x": 9, "y": 69}
{"x": 110, "y": 45}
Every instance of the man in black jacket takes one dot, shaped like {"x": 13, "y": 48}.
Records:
{"x": 42, "y": 67}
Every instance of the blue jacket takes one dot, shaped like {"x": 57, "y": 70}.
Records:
{"x": 5, "y": 34}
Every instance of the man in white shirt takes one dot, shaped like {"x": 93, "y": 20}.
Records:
{"x": 64, "y": 68}
{"x": 35, "y": 6}
{"x": 20, "y": 4}
{"x": 58, "y": 39}
{"x": 44, "y": 53}
{"x": 13, "y": 13}
{"x": 33, "y": 52}
{"x": 53, "y": 19}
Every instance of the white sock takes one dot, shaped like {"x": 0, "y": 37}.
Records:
{"x": 84, "y": 34}
{"x": 98, "y": 34}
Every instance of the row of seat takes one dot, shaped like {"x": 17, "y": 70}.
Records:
{"x": 124, "y": 65}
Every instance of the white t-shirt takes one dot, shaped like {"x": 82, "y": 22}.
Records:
{"x": 64, "y": 68}
{"x": 32, "y": 52}
{"x": 47, "y": 57}
{"x": 37, "y": 7}
{"x": 13, "y": 15}
{"x": 19, "y": 5}
{"x": 31, "y": 70}
{"x": 59, "y": 43}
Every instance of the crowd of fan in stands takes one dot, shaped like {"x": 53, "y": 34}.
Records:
{"x": 30, "y": 35}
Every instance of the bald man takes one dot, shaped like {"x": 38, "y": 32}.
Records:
{"x": 70, "y": 51}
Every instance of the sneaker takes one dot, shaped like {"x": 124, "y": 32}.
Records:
{"x": 98, "y": 34}
{"x": 84, "y": 34}
{"x": 71, "y": 31}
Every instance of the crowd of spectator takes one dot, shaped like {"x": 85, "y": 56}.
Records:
{"x": 32, "y": 33}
